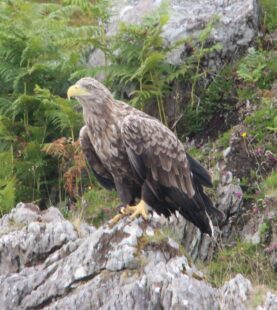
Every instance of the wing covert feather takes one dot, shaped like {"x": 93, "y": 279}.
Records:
{"x": 160, "y": 151}
{"x": 101, "y": 174}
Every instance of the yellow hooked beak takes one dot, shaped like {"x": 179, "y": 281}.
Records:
{"x": 76, "y": 90}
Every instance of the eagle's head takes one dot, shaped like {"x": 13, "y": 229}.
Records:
{"x": 89, "y": 91}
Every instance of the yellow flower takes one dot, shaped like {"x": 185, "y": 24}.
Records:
{"x": 244, "y": 134}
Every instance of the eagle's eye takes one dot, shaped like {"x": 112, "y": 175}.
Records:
{"x": 89, "y": 86}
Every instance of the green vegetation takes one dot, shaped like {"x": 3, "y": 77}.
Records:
{"x": 258, "y": 67}
{"x": 41, "y": 56}
{"x": 251, "y": 67}
{"x": 196, "y": 153}
{"x": 224, "y": 140}
{"x": 138, "y": 62}
{"x": 244, "y": 258}
{"x": 44, "y": 48}
{"x": 40, "y": 47}
{"x": 271, "y": 181}
{"x": 270, "y": 14}
{"x": 98, "y": 205}
{"x": 260, "y": 122}
{"x": 7, "y": 182}
{"x": 257, "y": 296}
{"x": 264, "y": 231}
{"x": 269, "y": 185}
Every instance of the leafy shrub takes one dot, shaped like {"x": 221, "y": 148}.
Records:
{"x": 41, "y": 44}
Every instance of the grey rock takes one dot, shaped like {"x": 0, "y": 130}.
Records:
{"x": 270, "y": 302}
{"x": 235, "y": 30}
{"x": 227, "y": 151}
{"x": 198, "y": 245}
{"x": 226, "y": 178}
{"x": 254, "y": 239}
{"x": 124, "y": 267}
{"x": 43, "y": 233}
{"x": 230, "y": 198}
{"x": 235, "y": 293}
{"x": 25, "y": 213}
{"x": 22, "y": 214}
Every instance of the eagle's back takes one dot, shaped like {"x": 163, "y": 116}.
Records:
{"x": 105, "y": 136}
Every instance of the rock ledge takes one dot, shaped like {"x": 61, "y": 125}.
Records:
{"x": 45, "y": 264}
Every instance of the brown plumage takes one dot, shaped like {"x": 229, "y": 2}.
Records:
{"x": 141, "y": 158}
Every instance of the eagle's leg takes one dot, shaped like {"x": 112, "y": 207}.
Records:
{"x": 140, "y": 209}
{"x": 116, "y": 218}
{"x": 127, "y": 198}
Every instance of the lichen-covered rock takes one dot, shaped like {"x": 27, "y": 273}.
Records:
{"x": 129, "y": 266}
{"x": 235, "y": 293}
{"x": 235, "y": 30}
{"x": 29, "y": 235}
{"x": 198, "y": 245}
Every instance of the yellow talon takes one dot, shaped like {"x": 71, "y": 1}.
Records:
{"x": 116, "y": 219}
{"x": 140, "y": 209}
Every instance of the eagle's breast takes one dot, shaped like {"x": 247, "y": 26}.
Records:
{"x": 107, "y": 141}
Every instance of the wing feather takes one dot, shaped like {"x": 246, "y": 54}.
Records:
{"x": 159, "y": 150}
{"x": 101, "y": 174}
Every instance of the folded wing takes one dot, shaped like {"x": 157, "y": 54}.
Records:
{"x": 153, "y": 147}
{"x": 101, "y": 174}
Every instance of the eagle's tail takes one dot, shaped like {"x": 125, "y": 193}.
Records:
{"x": 216, "y": 215}
{"x": 199, "y": 210}
{"x": 200, "y": 174}
{"x": 202, "y": 178}
{"x": 193, "y": 210}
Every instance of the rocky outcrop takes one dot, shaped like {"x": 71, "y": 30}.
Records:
{"x": 236, "y": 28}
{"x": 47, "y": 263}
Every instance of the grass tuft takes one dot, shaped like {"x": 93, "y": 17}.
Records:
{"x": 244, "y": 258}
{"x": 99, "y": 205}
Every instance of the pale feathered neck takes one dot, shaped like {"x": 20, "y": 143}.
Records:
{"x": 103, "y": 113}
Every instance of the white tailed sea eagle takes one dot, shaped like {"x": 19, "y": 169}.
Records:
{"x": 141, "y": 158}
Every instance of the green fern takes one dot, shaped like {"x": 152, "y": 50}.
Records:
{"x": 259, "y": 68}
{"x": 269, "y": 14}
{"x": 138, "y": 60}
{"x": 7, "y": 182}
{"x": 251, "y": 69}
{"x": 37, "y": 57}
